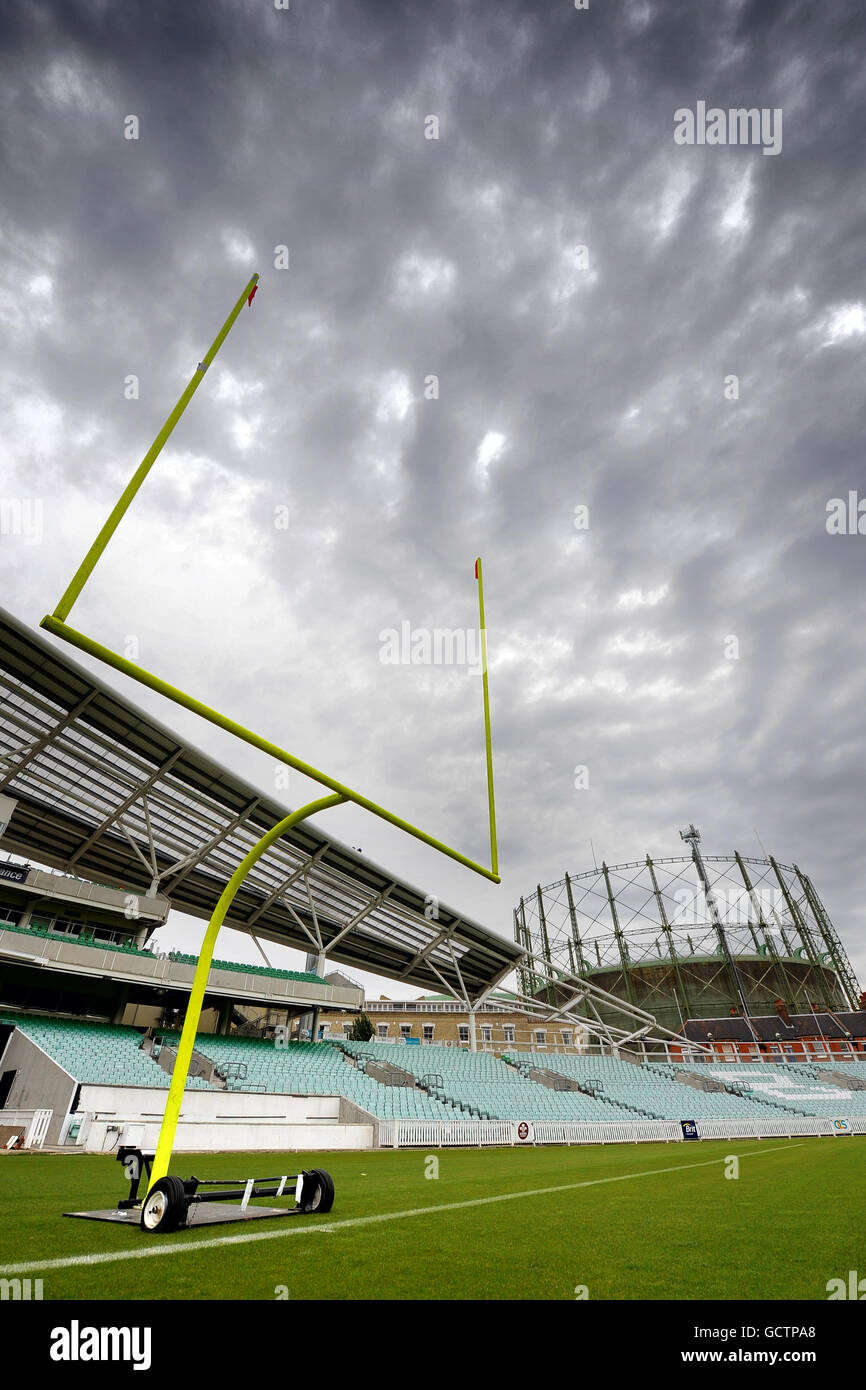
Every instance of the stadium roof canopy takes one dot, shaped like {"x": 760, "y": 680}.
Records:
{"x": 106, "y": 792}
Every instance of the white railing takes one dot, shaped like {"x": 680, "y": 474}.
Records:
{"x": 34, "y": 1123}
{"x": 407, "y": 1134}
{"x": 36, "y": 1134}
{"x": 606, "y": 1132}
{"x": 783, "y": 1128}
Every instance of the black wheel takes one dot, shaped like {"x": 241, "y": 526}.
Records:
{"x": 317, "y": 1193}
{"x": 164, "y": 1207}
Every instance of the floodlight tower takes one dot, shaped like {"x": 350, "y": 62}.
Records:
{"x": 692, "y": 837}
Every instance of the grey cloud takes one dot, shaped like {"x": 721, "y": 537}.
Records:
{"x": 260, "y": 128}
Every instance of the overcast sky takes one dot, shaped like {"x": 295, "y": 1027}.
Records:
{"x": 581, "y": 285}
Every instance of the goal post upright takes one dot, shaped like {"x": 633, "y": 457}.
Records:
{"x": 494, "y": 858}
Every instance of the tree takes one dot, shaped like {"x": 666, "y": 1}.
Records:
{"x": 362, "y": 1029}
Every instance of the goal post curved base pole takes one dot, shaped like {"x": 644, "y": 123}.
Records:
{"x": 180, "y": 1072}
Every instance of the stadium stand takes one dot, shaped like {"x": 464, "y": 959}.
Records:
{"x": 95, "y": 1053}
{"x": 450, "y": 1083}
{"x": 846, "y": 1066}
{"x": 243, "y": 969}
{"x": 753, "y": 1086}
{"x": 804, "y": 1094}
{"x": 314, "y": 1069}
{"x": 483, "y": 1087}
{"x": 648, "y": 1089}
{"x": 42, "y": 929}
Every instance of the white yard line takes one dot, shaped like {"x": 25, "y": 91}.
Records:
{"x": 154, "y": 1251}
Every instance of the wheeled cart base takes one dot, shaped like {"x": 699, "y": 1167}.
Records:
{"x": 174, "y": 1203}
{"x": 201, "y": 1213}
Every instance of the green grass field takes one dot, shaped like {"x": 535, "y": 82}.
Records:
{"x": 656, "y": 1221}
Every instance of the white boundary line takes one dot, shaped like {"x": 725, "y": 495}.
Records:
{"x": 181, "y": 1247}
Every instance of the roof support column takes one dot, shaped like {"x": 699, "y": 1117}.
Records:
{"x": 542, "y": 922}
{"x": 120, "y": 1004}
{"x": 225, "y": 1018}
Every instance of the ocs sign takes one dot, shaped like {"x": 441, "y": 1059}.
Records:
{"x": 523, "y": 1132}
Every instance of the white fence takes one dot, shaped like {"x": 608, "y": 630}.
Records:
{"x": 779, "y": 1129}
{"x": 35, "y": 1136}
{"x": 604, "y": 1132}
{"x": 34, "y": 1123}
{"x": 406, "y": 1134}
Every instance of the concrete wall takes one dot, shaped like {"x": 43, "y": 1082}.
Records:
{"x": 219, "y": 1120}
{"x": 146, "y": 1102}
{"x": 352, "y": 1114}
{"x": 40, "y": 1083}
{"x": 238, "y": 1136}
{"x": 554, "y": 1081}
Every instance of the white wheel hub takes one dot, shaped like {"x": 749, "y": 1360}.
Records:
{"x": 154, "y": 1209}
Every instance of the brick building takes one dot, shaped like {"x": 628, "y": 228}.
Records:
{"x": 438, "y": 1019}
{"x": 816, "y": 1036}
